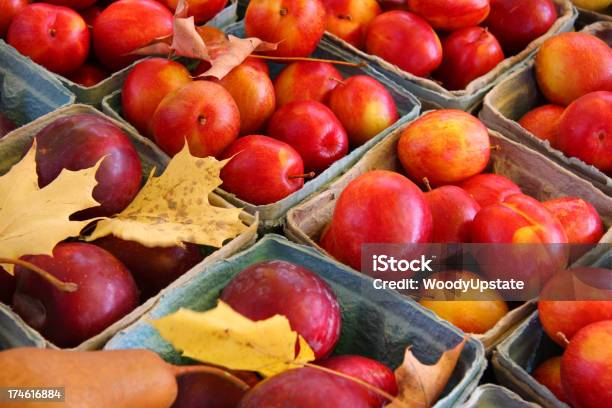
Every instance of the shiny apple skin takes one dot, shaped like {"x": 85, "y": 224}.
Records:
{"x": 448, "y": 15}
{"x": 488, "y": 189}
{"x": 543, "y": 122}
{"x": 306, "y": 80}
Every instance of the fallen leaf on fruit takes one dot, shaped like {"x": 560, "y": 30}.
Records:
{"x": 32, "y": 219}
{"x": 419, "y": 384}
{"x": 223, "y": 337}
{"x": 174, "y": 208}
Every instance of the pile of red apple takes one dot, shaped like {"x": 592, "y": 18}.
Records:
{"x": 276, "y": 132}
{"x": 452, "y": 41}
{"x": 113, "y": 275}
{"x": 449, "y": 149}
{"x": 574, "y": 73}
{"x": 85, "y": 40}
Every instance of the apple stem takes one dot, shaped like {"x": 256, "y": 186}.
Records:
{"x": 184, "y": 370}
{"x": 283, "y": 11}
{"x": 563, "y": 338}
{"x": 427, "y": 185}
{"x": 367, "y": 385}
{"x": 58, "y": 284}
{"x": 304, "y": 176}
{"x": 341, "y": 82}
{"x": 292, "y": 59}
{"x": 496, "y": 147}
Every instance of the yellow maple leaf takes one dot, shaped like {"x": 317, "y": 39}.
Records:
{"x": 34, "y": 220}
{"x": 174, "y": 208}
{"x": 223, "y": 337}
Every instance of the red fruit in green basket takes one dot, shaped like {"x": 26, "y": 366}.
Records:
{"x": 377, "y": 207}
{"x": 450, "y": 15}
{"x": 349, "y": 19}
{"x": 469, "y": 53}
{"x": 313, "y": 130}
{"x": 53, "y": 36}
{"x": 201, "y": 10}
{"x": 125, "y": 26}
{"x": 585, "y": 130}
{"x": 305, "y": 388}
{"x": 8, "y": 10}
{"x": 364, "y": 107}
{"x": 73, "y": 4}
{"x": 535, "y": 17}
{"x": 106, "y": 292}
{"x": 88, "y": 75}
{"x": 203, "y": 390}
{"x": 201, "y": 112}
{"x": 586, "y": 367}
{"x": 444, "y": 146}
{"x": 543, "y": 122}
{"x": 306, "y": 80}
{"x": 7, "y": 286}
{"x": 548, "y": 374}
{"x": 263, "y": 170}
{"x": 570, "y": 65}
{"x": 253, "y": 92}
{"x": 393, "y": 32}
{"x": 279, "y": 287}
{"x": 297, "y": 25}
{"x": 6, "y": 125}
{"x": 144, "y": 88}
{"x": 368, "y": 370}
{"x": 562, "y": 317}
{"x": 152, "y": 268}
{"x": 78, "y": 142}
{"x": 579, "y": 219}
{"x": 489, "y": 189}
{"x": 453, "y": 211}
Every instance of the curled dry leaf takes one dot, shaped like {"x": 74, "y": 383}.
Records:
{"x": 32, "y": 219}
{"x": 223, "y": 337}
{"x": 174, "y": 208}
{"x": 419, "y": 384}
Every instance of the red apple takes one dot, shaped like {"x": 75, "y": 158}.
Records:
{"x": 516, "y": 23}
{"x": 586, "y": 367}
{"x": 78, "y": 142}
{"x": 469, "y": 53}
{"x": 144, "y": 88}
{"x": 548, "y": 374}
{"x": 8, "y": 10}
{"x": 73, "y": 4}
{"x": 579, "y": 219}
{"x": 253, "y": 92}
{"x": 106, "y": 292}
{"x": 201, "y": 10}
{"x": 216, "y": 42}
{"x": 278, "y": 287}
{"x": 53, "y": 36}
{"x": 297, "y": 25}
{"x": 392, "y": 33}
{"x": 313, "y": 130}
{"x": 585, "y": 130}
{"x": 306, "y": 80}
{"x": 364, "y": 107}
{"x": 201, "y": 112}
{"x": 570, "y": 65}
{"x": 444, "y": 146}
{"x": 204, "y": 390}
{"x": 125, "y": 26}
{"x": 453, "y": 211}
{"x": 543, "y": 122}
{"x": 263, "y": 171}
{"x": 377, "y": 207}
{"x": 349, "y": 19}
{"x": 450, "y": 15}
{"x": 488, "y": 189}
{"x": 368, "y": 370}
{"x": 152, "y": 268}
{"x": 88, "y": 75}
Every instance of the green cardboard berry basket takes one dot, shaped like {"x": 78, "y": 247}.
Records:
{"x": 435, "y": 96}
{"x": 93, "y": 95}
{"x": 517, "y": 356}
{"x": 518, "y": 94}
{"x": 493, "y": 396}
{"x": 272, "y": 216}
{"x": 12, "y": 148}
{"x": 28, "y": 91}
{"x": 376, "y": 324}
{"x": 14, "y": 332}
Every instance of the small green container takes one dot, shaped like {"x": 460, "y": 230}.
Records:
{"x": 494, "y": 396}
{"x": 376, "y": 324}
{"x": 14, "y": 331}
